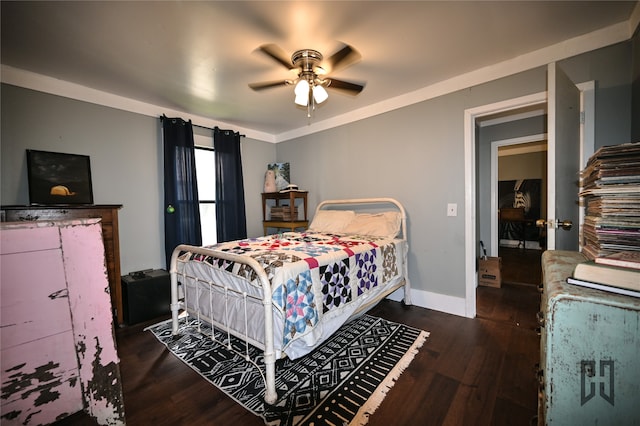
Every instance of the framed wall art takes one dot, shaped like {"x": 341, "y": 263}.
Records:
{"x": 525, "y": 193}
{"x": 58, "y": 178}
{"x": 278, "y": 176}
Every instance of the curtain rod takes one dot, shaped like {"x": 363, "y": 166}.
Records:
{"x": 162, "y": 117}
{"x": 214, "y": 128}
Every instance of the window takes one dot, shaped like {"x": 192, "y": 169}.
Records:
{"x": 206, "y": 176}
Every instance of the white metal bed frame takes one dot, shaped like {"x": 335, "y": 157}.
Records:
{"x": 178, "y": 304}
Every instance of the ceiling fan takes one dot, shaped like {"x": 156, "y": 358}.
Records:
{"x": 312, "y": 73}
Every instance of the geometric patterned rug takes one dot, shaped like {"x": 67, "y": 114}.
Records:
{"x": 342, "y": 382}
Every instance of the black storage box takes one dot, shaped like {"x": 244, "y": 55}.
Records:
{"x": 146, "y": 295}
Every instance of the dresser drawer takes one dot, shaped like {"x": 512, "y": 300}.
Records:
{"x": 34, "y": 301}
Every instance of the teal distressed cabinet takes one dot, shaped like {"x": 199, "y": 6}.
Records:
{"x": 589, "y": 350}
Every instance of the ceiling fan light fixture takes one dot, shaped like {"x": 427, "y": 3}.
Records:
{"x": 310, "y": 85}
{"x": 301, "y": 100}
{"x": 320, "y": 94}
{"x": 302, "y": 87}
{"x": 302, "y": 92}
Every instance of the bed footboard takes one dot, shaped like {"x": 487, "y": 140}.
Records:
{"x": 177, "y": 305}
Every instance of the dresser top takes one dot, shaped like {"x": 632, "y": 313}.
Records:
{"x": 62, "y": 206}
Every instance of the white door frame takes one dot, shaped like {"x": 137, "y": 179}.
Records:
{"x": 587, "y": 130}
{"x": 470, "y": 116}
{"x": 587, "y": 134}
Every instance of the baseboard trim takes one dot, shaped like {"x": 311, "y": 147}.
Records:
{"x": 516, "y": 244}
{"x": 436, "y": 301}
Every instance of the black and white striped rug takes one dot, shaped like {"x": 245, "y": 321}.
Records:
{"x": 342, "y": 382}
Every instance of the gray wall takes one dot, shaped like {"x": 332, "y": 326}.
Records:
{"x": 532, "y": 165}
{"x": 611, "y": 68}
{"x": 414, "y": 154}
{"x": 126, "y": 164}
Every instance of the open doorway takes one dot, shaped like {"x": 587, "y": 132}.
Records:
{"x": 512, "y": 188}
{"x": 477, "y": 182}
{"x": 519, "y": 196}
{"x": 514, "y": 179}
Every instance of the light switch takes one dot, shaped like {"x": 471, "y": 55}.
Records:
{"x": 452, "y": 209}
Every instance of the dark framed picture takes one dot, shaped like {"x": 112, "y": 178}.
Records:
{"x": 58, "y": 178}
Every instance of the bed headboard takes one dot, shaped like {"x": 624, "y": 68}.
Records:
{"x": 368, "y": 205}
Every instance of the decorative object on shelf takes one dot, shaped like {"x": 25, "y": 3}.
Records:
{"x": 290, "y": 187}
{"x": 58, "y": 178}
{"x": 312, "y": 72}
{"x": 270, "y": 181}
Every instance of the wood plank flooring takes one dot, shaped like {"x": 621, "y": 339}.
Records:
{"x": 477, "y": 371}
{"x": 520, "y": 266}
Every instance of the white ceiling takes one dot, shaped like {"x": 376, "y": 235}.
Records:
{"x": 197, "y": 58}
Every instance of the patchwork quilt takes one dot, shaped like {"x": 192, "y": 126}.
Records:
{"x": 312, "y": 275}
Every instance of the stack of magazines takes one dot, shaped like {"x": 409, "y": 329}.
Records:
{"x": 610, "y": 189}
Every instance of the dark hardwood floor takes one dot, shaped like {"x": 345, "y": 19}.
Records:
{"x": 521, "y": 266}
{"x": 477, "y": 371}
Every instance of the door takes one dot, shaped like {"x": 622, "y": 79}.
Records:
{"x": 563, "y": 161}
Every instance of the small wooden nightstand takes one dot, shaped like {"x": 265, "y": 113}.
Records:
{"x": 291, "y": 197}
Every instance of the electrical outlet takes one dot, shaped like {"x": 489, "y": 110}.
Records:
{"x": 452, "y": 209}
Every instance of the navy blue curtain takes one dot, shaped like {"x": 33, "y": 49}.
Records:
{"x": 182, "y": 211}
{"x": 231, "y": 219}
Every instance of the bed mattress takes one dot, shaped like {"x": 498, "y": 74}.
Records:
{"x": 318, "y": 281}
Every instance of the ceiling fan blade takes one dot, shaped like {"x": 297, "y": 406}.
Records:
{"x": 346, "y": 86}
{"x": 278, "y": 54}
{"x": 268, "y": 84}
{"x": 342, "y": 58}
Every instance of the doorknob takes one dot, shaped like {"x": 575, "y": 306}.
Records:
{"x": 554, "y": 223}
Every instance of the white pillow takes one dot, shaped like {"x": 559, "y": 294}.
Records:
{"x": 385, "y": 224}
{"x": 331, "y": 221}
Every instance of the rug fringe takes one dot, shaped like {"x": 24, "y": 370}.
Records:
{"x": 362, "y": 416}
